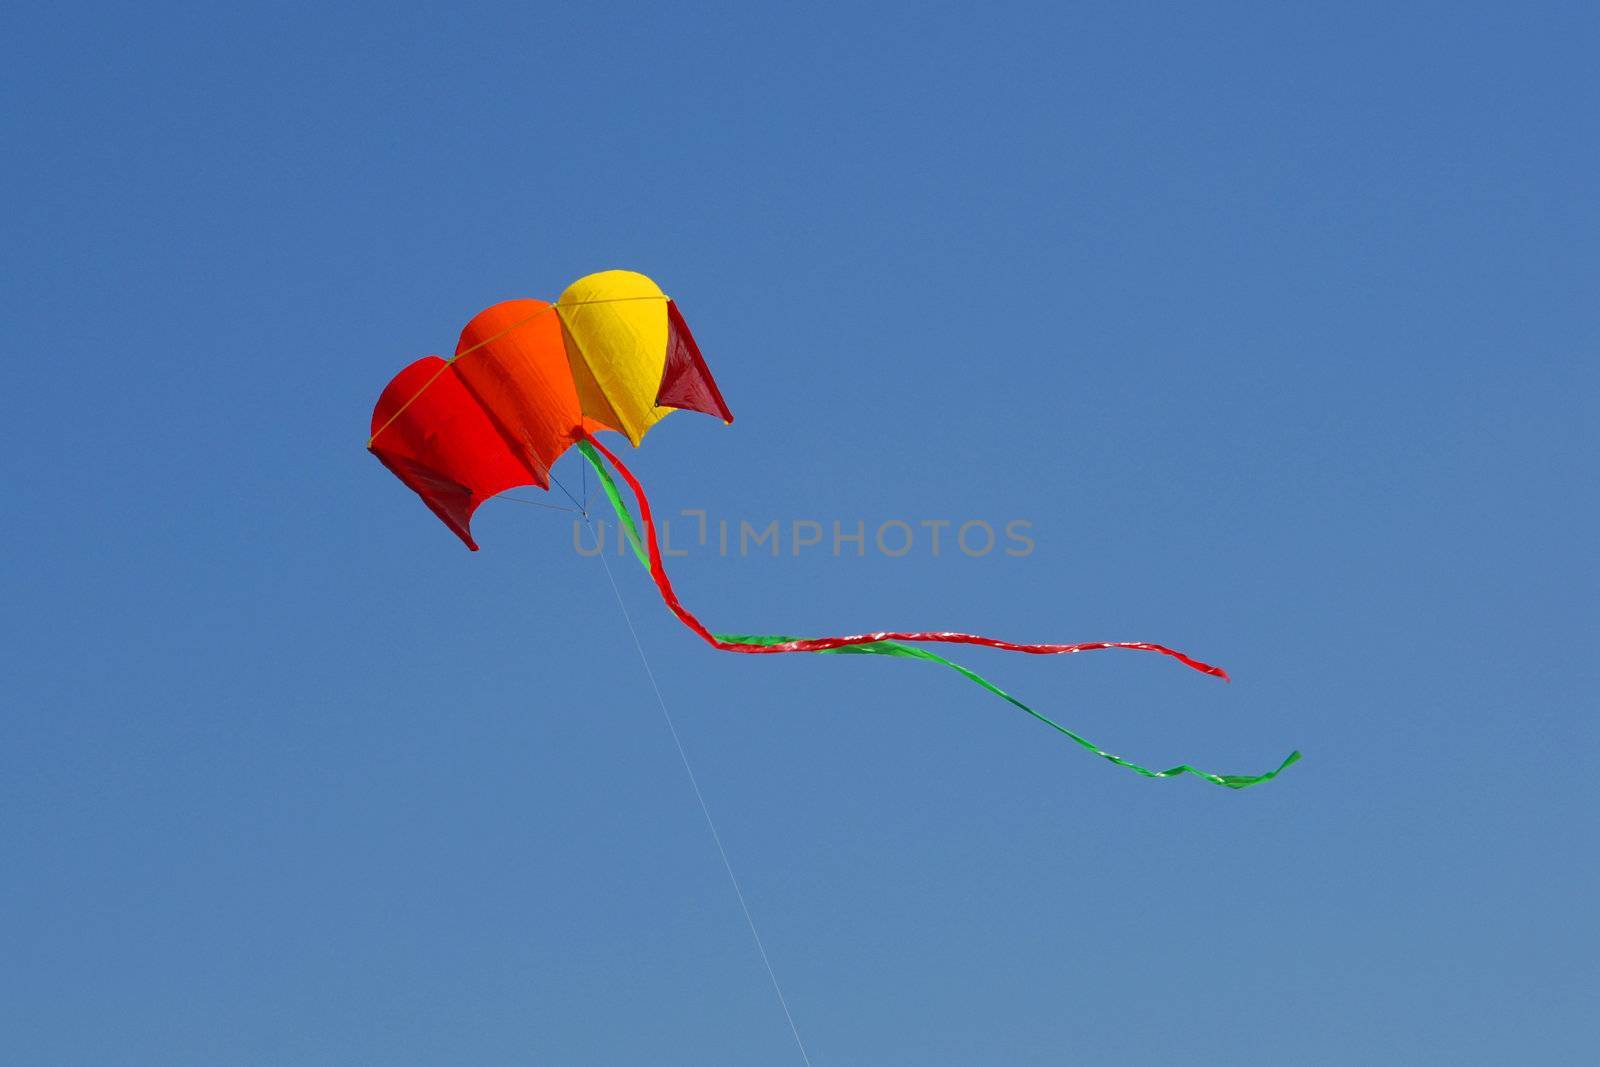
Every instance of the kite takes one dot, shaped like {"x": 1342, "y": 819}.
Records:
{"x": 530, "y": 380}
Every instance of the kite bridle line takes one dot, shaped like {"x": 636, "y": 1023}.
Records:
{"x": 519, "y": 324}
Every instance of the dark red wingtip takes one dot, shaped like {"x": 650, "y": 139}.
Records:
{"x": 686, "y": 381}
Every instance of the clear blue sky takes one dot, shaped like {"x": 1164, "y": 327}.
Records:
{"x": 1278, "y": 326}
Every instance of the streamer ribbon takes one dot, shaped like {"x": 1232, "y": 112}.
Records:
{"x": 648, "y": 552}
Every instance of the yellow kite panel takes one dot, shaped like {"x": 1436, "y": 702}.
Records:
{"x": 615, "y": 324}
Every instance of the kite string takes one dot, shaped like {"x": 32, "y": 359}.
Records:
{"x": 705, "y": 809}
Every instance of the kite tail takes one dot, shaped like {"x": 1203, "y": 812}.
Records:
{"x": 881, "y": 645}
{"x": 894, "y": 648}
{"x": 650, "y": 555}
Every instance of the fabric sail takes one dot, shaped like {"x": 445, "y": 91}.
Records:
{"x": 527, "y": 380}
{"x": 615, "y": 327}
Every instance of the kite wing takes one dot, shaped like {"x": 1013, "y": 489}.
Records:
{"x": 439, "y": 440}
{"x": 528, "y": 379}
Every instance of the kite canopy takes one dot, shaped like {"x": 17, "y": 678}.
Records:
{"x": 528, "y": 379}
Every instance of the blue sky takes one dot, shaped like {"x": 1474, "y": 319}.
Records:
{"x": 1277, "y": 325}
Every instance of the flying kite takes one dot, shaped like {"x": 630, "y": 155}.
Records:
{"x": 530, "y": 380}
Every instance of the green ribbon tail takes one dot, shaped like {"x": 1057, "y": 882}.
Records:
{"x": 896, "y": 648}
{"x": 609, "y": 485}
